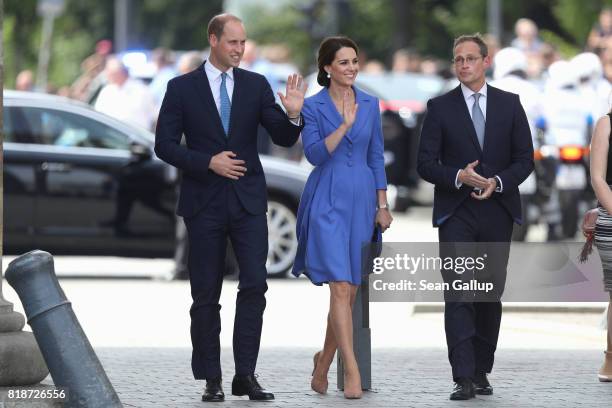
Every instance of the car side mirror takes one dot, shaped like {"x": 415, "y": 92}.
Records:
{"x": 140, "y": 152}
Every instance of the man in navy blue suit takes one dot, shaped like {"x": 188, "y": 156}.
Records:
{"x": 218, "y": 108}
{"x": 476, "y": 149}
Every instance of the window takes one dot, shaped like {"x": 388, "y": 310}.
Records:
{"x": 59, "y": 128}
{"x": 16, "y": 126}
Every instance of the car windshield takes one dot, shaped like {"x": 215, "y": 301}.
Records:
{"x": 396, "y": 87}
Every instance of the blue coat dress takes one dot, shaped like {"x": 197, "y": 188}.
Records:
{"x": 337, "y": 211}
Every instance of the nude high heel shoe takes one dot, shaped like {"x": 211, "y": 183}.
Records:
{"x": 605, "y": 372}
{"x": 321, "y": 387}
{"x": 352, "y": 394}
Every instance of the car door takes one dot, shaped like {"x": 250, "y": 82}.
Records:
{"x": 93, "y": 194}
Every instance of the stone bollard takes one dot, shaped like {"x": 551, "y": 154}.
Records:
{"x": 21, "y": 362}
{"x": 71, "y": 360}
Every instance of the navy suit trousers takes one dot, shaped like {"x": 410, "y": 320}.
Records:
{"x": 208, "y": 231}
{"x": 472, "y": 327}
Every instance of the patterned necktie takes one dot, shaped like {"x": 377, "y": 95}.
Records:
{"x": 478, "y": 119}
{"x": 226, "y": 105}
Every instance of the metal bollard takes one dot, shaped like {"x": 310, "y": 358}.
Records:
{"x": 71, "y": 360}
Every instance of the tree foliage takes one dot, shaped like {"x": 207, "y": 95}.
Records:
{"x": 178, "y": 24}
{"x": 379, "y": 27}
{"x": 428, "y": 26}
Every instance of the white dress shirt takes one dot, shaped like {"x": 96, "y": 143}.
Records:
{"x": 214, "y": 80}
{"x": 469, "y": 99}
{"x": 468, "y": 96}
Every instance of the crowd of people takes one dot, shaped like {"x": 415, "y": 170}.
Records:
{"x": 111, "y": 84}
{"x": 103, "y": 68}
{"x": 540, "y": 55}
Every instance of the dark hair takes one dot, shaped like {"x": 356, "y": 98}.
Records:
{"x": 217, "y": 24}
{"x": 327, "y": 52}
{"x": 476, "y": 38}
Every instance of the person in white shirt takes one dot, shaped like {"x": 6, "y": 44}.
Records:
{"x": 126, "y": 99}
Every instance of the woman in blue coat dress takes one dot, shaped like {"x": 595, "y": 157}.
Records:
{"x": 344, "y": 198}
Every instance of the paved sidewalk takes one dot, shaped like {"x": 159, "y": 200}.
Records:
{"x": 161, "y": 377}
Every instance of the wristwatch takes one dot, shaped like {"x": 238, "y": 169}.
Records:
{"x": 385, "y": 206}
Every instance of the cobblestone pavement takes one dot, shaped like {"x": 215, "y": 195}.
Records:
{"x": 161, "y": 377}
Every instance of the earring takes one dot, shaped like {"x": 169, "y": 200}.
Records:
{"x": 328, "y": 75}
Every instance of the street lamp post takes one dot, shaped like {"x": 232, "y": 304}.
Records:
{"x": 494, "y": 21}
{"x": 49, "y": 10}
{"x": 123, "y": 11}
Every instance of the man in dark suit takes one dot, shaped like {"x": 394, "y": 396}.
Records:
{"x": 476, "y": 149}
{"x": 218, "y": 108}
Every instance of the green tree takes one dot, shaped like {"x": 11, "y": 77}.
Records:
{"x": 379, "y": 27}
{"x": 302, "y": 30}
{"x": 19, "y": 31}
{"x": 177, "y": 24}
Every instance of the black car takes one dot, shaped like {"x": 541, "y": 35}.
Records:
{"x": 77, "y": 181}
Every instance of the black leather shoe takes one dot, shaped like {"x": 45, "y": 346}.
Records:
{"x": 248, "y": 385}
{"x": 463, "y": 390}
{"x": 482, "y": 385}
{"x": 213, "y": 391}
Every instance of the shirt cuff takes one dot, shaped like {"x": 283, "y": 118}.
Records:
{"x": 458, "y": 184}
{"x": 499, "y": 189}
{"x": 296, "y": 122}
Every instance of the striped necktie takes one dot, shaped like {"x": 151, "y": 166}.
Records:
{"x": 226, "y": 105}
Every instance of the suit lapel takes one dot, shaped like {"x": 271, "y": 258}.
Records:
{"x": 490, "y": 118}
{"x": 363, "y": 100}
{"x": 328, "y": 110}
{"x": 236, "y": 98}
{"x": 203, "y": 86}
{"x": 465, "y": 118}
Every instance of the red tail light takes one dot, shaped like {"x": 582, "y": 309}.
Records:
{"x": 571, "y": 153}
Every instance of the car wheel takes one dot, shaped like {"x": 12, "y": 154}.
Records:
{"x": 282, "y": 237}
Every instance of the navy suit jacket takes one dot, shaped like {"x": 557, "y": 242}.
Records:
{"x": 189, "y": 108}
{"x": 449, "y": 142}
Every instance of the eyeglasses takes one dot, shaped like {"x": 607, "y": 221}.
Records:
{"x": 469, "y": 59}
